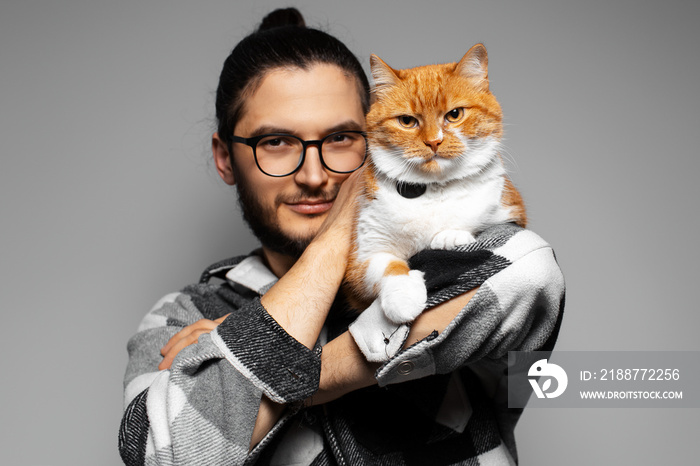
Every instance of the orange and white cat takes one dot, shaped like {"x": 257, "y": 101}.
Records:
{"x": 434, "y": 179}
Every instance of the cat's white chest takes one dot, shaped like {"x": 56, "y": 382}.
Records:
{"x": 404, "y": 226}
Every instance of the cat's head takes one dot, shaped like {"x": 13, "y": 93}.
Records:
{"x": 434, "y": 123}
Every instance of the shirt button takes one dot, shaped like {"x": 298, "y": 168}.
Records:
{"x": 406, "y": 368}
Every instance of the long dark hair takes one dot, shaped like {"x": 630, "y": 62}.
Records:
{"x": 282, "y": 40}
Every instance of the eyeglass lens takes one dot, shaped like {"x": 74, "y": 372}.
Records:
{"x": 281, "y": 154}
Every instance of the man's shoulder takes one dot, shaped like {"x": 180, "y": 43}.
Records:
{"x": 215, "y": 298}
{"x": 220, "y": 268}
{"x": 511, "y": 235}
{"x": 509, "y": 240}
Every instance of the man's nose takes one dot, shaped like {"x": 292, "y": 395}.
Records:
{"x": 312, "y": 174}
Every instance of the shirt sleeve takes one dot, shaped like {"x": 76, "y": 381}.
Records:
{"x": 203, "y": 409}
{"x": 518, "y": 307}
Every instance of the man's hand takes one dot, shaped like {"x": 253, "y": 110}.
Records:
{"x": 186, "y": 337}
{"x": 340, "y": 221}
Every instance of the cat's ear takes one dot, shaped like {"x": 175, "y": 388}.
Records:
{"x": 384, "y": 75}
{"x": 475, "y": 65}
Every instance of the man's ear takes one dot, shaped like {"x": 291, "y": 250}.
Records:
{"x": 222, "y": 159}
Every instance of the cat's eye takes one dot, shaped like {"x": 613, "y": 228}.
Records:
{"x": 407, "y": 121}
{"x": 453, "y": 116}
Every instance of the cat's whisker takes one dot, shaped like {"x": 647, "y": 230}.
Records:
{"x": 506, "y": 155}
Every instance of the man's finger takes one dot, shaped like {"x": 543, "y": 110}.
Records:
{"x": 185, "y": 332}
{"x": 168, "y": 358}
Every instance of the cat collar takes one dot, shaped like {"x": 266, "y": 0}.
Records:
{"x": 411, "y": 190}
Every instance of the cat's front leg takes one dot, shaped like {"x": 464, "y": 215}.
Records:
{"x": 402, "y": 293}
{"x": 403, "y": 296}
{"x": 450, "y": 239}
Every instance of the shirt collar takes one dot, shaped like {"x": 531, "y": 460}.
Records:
{"x": 252, "y": 273}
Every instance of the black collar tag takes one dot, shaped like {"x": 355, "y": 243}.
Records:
{"x": 411, "y": 190}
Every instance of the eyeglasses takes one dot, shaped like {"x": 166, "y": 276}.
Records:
{"x": 283, "y": 154}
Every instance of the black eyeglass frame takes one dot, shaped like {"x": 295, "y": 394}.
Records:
{"x": 253, "y": 142}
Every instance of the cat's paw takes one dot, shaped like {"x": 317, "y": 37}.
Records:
{"x": 403, "y": 297}
{"x": 450, "y": 239}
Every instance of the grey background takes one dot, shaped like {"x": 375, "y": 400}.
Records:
{"x": 108, "y": 198}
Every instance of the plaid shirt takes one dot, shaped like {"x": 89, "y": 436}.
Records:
{"x": 441, "y": 401}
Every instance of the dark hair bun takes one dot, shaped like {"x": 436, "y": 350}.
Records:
{"x": 282, "y": 17}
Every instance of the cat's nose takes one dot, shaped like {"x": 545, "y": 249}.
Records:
{"x": 433, "y": 144}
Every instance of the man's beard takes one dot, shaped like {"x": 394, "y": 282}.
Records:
{"x": 264, "y": 225}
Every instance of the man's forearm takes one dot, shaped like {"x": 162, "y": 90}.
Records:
{"x": 301, "y": 299}
{"x": 269, "y": 413}
{"x": 344, "y": 368}
{"x": 437, "y": 318}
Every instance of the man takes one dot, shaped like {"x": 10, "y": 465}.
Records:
{"x": 261, "y": 368}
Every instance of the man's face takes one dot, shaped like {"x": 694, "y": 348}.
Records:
{"x": 285, "y": 213}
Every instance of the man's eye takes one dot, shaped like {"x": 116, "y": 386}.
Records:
{"x": 340, "y": 138}
{"x": 275, "y": 142}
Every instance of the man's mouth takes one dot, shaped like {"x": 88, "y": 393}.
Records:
{"x": 311, "y": 206}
